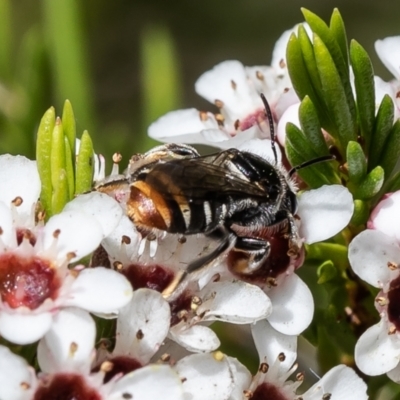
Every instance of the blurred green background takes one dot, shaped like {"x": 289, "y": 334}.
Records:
{"x": 125, "y": 63}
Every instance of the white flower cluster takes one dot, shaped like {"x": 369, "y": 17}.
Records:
{"x": 164, "y": 347}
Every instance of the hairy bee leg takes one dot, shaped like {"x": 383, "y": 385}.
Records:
{"x": 200, "y": 263}
{"x": 257, "y": 250}
{"x": 294, "y": 238}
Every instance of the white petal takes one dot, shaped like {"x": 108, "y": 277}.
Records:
{"x": 342, "y": 383}
{"x": 149, "y": 314}
{"x": 263, "y": 148}
{"x": 6, "y": 224}
{"x": 382, "y": 88}
{"x": 292, "y": 306}
{"x": 69, "y": 344}
{"x": 205, "y": 377}
{"x": 270, "y": 343}
{"x": 148, "y": 383}
{"x": 220, "y": 139}
{"x": 369, "y": 254}
{"x": 385, "y": 217}
{"x": 17, "y": 380}
{"x": 113, "y": 242}
{"x": 388, "y": 52}
{"x": 242, "y": 378}
{"x": 324, "y": 212}
{"x": 79, "y": 233}
{"x": 19, "y": 177}
{"x": 279, "y": 52}
{"x": 100, "y": 206}
{"x": 100, "y": 290}
{"x": 196, "y": 339}
{"x": 236, "y": 302}
{"x": 182, "y": 126}
{"x": 24, "y": 328}
{"x": 376, "y": 351}
{"x": 290, "y": 115}
{"x": 216, "y": 84}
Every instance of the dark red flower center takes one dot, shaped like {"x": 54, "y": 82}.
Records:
{"x": 154, "y": 277}
{"x": 268, "y": 391}
{"x": 393, "y": 309}
{"x": 26, "y": 281}
{"x": 66, "y": 387}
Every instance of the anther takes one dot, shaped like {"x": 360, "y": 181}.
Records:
{"x": 17, "y": 201}
{"x": 56, "y": 233}
{"x": 118, "y": 266}
{"x": 259, "y": 75}
{"x": 203, "y": 116}
{"x": 165, "y": 357}
{"x": 218, "y": 103}
{"x": 73, "y": 347}
{"x": 117, "y": 157}
{"x": 264, "y": 367}
{"x": 281, "y": 357}
{"x": 125, "y": 239}
{"x": 392, "y": 266}
{"x": 106, "y": 366}
{"x": 139, "y": 334}
{"x": 233, "y": 84}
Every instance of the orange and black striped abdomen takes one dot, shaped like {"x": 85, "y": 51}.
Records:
{"x": 159, "y": 199}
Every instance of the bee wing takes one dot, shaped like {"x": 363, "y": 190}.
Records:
{"x": 199, "y": 179}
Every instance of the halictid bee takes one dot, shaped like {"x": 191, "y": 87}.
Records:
{"x": 234, "y": 197}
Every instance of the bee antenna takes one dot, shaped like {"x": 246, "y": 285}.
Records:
{"x": 268, "y": 113}
{"x": 311, "y": 162}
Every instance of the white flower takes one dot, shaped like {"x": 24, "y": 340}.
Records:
{"x": 388, "y": 52}
{"x": 374, "y": 257}
{"x": 235, "y": 90}
{"x": 65, "y": 357}
{"x": 277, "y": 355}
{"x": 35, "y": 281}
{"x": 20, "y": 188}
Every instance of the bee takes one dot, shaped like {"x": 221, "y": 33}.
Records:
{"x": 234, "y": 197}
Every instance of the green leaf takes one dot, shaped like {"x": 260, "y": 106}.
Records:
{"x": 69, "y": 169}
{"x": 338, "y": 31}
{"x": 69, "y": 125}
{"x": 60, "y": 194}
{"x": 391, "y": 151}
{"x": 365, "y": 89}
{"x": 58, "y": 165}
{"x": 84, "y": 165}
{"x": 356, "y": 162}
{"x": 299, "y": 150}
{"x": 371, "y": 185}
{"x": 43, "y": 157}
{"x": 361, "y": 213}
{"x": 326, "y": 272}
{"x": 335, "y": 95}
{"x": 383, "y": 125}
{"x": 311, "y": 127}
{"x": 307, "y": 50}
{"x": 298, "y": 71}
{"x": 393, "y": 184}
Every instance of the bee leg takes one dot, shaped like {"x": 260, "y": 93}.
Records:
{"x": 257, "y": 251}
{"x": 295, "y": 242}
{"x": 202, "y": 262}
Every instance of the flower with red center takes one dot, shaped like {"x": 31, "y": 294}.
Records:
{"x": 277, "y": 355}
{"x": 65, "y": 355}
{"x": 374, "y": 256}
{"x": 35, "y": 281}
{"x": 235, "y": 90}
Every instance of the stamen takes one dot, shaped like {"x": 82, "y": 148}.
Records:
{"x": 17, "y": 201}
{"x": 218, "y": 103}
